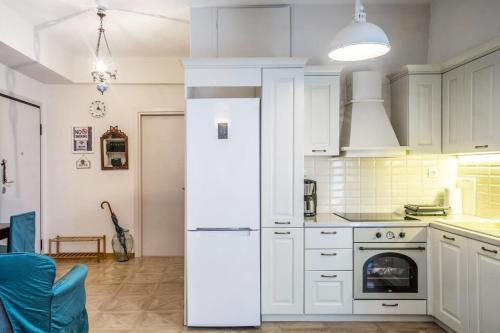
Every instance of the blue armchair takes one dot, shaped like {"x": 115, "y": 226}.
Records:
{"x": 30, "y": 301}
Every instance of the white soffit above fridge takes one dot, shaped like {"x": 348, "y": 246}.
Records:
{"x": 366, "y": 128}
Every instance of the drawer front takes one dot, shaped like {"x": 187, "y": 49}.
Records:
{"x": 328, "y": 260}
{"x": 328, "y": 292}
{"x": 328, "y": 238}
{"x": 377, "y": 307}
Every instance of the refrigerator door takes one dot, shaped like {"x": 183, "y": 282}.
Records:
{"x": 222, "y": 163}
{"x": 223, "y": 284}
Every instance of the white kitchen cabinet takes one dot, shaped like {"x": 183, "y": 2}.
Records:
{"x": 471, "y": 121}
{"x": 484, "y": 291}
{"x": 390, "y": 307}
{"x": 328, "y": 238}
{"x": 282, "y": 271}
{"x": 416, "y": 108}
{"x": 482, "y": 98}
{"x": 321, "y": 115}
{"x": 328, "y": 292}
{"x": 456, "y": 122}
{"x": 282, "y": 137}
{"x": 449, "y": 279}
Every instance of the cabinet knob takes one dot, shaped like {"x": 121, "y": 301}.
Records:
{"x": 481, "y": 146}
{"x": 448, "y": 238}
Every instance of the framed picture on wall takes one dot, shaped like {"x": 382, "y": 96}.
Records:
{"x": 82, "y": 140}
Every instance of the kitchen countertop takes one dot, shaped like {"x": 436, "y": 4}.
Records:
{"x": 481, "y": 229}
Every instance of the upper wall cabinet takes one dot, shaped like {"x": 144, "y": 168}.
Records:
{"x": 416, "y": 107}
{"x": 471, "y": 96}
{"x": 321, "y": 112}
{"x": 282, "y": 159}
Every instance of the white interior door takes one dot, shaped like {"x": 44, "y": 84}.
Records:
{"x": 162, "y": 172}
{"x": 20, "y": 148}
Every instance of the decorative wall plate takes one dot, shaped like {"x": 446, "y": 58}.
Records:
{"x": 83, "y": 163}
{"x": 97, "y": 109}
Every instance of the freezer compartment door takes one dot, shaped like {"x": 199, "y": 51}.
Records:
{"x": 222, "y": 163}
{"x": 223, "y": 278}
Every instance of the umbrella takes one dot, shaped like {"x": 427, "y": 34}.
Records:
{"x": 120, "y": 232}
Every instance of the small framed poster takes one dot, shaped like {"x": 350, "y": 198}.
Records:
{"x": 82, "y": 140}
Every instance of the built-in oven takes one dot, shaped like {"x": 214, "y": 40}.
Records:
{"x": 390, "y": 263}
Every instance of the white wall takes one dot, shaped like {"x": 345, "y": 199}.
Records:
{"x": 457, "y": 25}
{"x": 313, "y": 27}
{"x": 72, "y": 196}
{"x": 19, "y": 85}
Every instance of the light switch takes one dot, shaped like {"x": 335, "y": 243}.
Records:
{"x": 222, "y": 131}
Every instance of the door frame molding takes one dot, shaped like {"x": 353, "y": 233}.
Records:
{"x": 161, "y": 111}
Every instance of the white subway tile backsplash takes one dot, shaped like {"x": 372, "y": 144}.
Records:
{"x": 380, "y": 184}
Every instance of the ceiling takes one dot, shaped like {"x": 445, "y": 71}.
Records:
{"x": 73, "y": 24}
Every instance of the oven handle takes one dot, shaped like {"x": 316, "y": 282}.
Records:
{"x": 418, "y": 248}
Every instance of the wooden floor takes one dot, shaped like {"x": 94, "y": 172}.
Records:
{"x": 146, "y": 295}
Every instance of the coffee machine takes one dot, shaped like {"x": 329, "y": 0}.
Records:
{"x": 310, "y": 198}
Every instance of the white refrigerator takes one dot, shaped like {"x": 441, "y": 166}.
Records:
{"x": 223, "y": 212}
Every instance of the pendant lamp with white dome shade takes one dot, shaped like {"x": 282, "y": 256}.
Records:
{"x": 359, "y": 40}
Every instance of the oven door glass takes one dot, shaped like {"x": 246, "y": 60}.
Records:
{"x": 390, "y": 273}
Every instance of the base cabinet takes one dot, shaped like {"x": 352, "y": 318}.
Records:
{"x": 449, "y": 279}
{"x": 328, "y": 292}
{"x": 282, "y": 271}
{"x": 484, "y": 287}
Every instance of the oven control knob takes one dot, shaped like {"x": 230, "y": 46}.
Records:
{"x": 402, "y": 234}
{"x": 389, "y": 235}
{"x": 378, "y": 235}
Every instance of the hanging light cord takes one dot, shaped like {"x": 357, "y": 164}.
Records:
{"x": 102, "y": 33}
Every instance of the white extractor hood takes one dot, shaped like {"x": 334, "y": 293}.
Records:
{"x": 366, "y": 129}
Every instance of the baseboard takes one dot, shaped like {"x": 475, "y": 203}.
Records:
{"x": 347, "y": 317}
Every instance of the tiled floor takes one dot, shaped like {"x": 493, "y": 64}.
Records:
{"x": 146, "y": 295}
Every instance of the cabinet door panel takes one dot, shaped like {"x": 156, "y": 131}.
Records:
{"x": 449, "y": 271}
{"x": 484, "y": 293}
{"x": 456, "y": 119}
{"x": 482, "y": 85}
{"x": 282, "y": 148}
{"x": 425, "y": 113}
{"x": 321, "y": 110}
{"x": 282, "y": 270}
{"x": 328, "y": 292}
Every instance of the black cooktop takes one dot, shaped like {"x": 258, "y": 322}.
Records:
{"x": 374, "y": 217}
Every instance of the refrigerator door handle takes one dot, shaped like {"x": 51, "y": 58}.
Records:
{"x": 224, "y": 229}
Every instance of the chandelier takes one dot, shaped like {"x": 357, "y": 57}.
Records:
{"x": 103, "y": 71}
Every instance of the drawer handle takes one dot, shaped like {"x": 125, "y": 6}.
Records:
{"x": 328, "y": 232}
{"x": 488, "y": 250}
{"x": 328, "y": 254}
{"x": 391, "y": 305}
{"x": 481, "y": 146}
{"x": 319, "y": 150}
{"x": 328, "y": 276}
{"x": 286, "y": 222}
{"x": 282, "y": 232}
{"x": 448, "y": 238}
